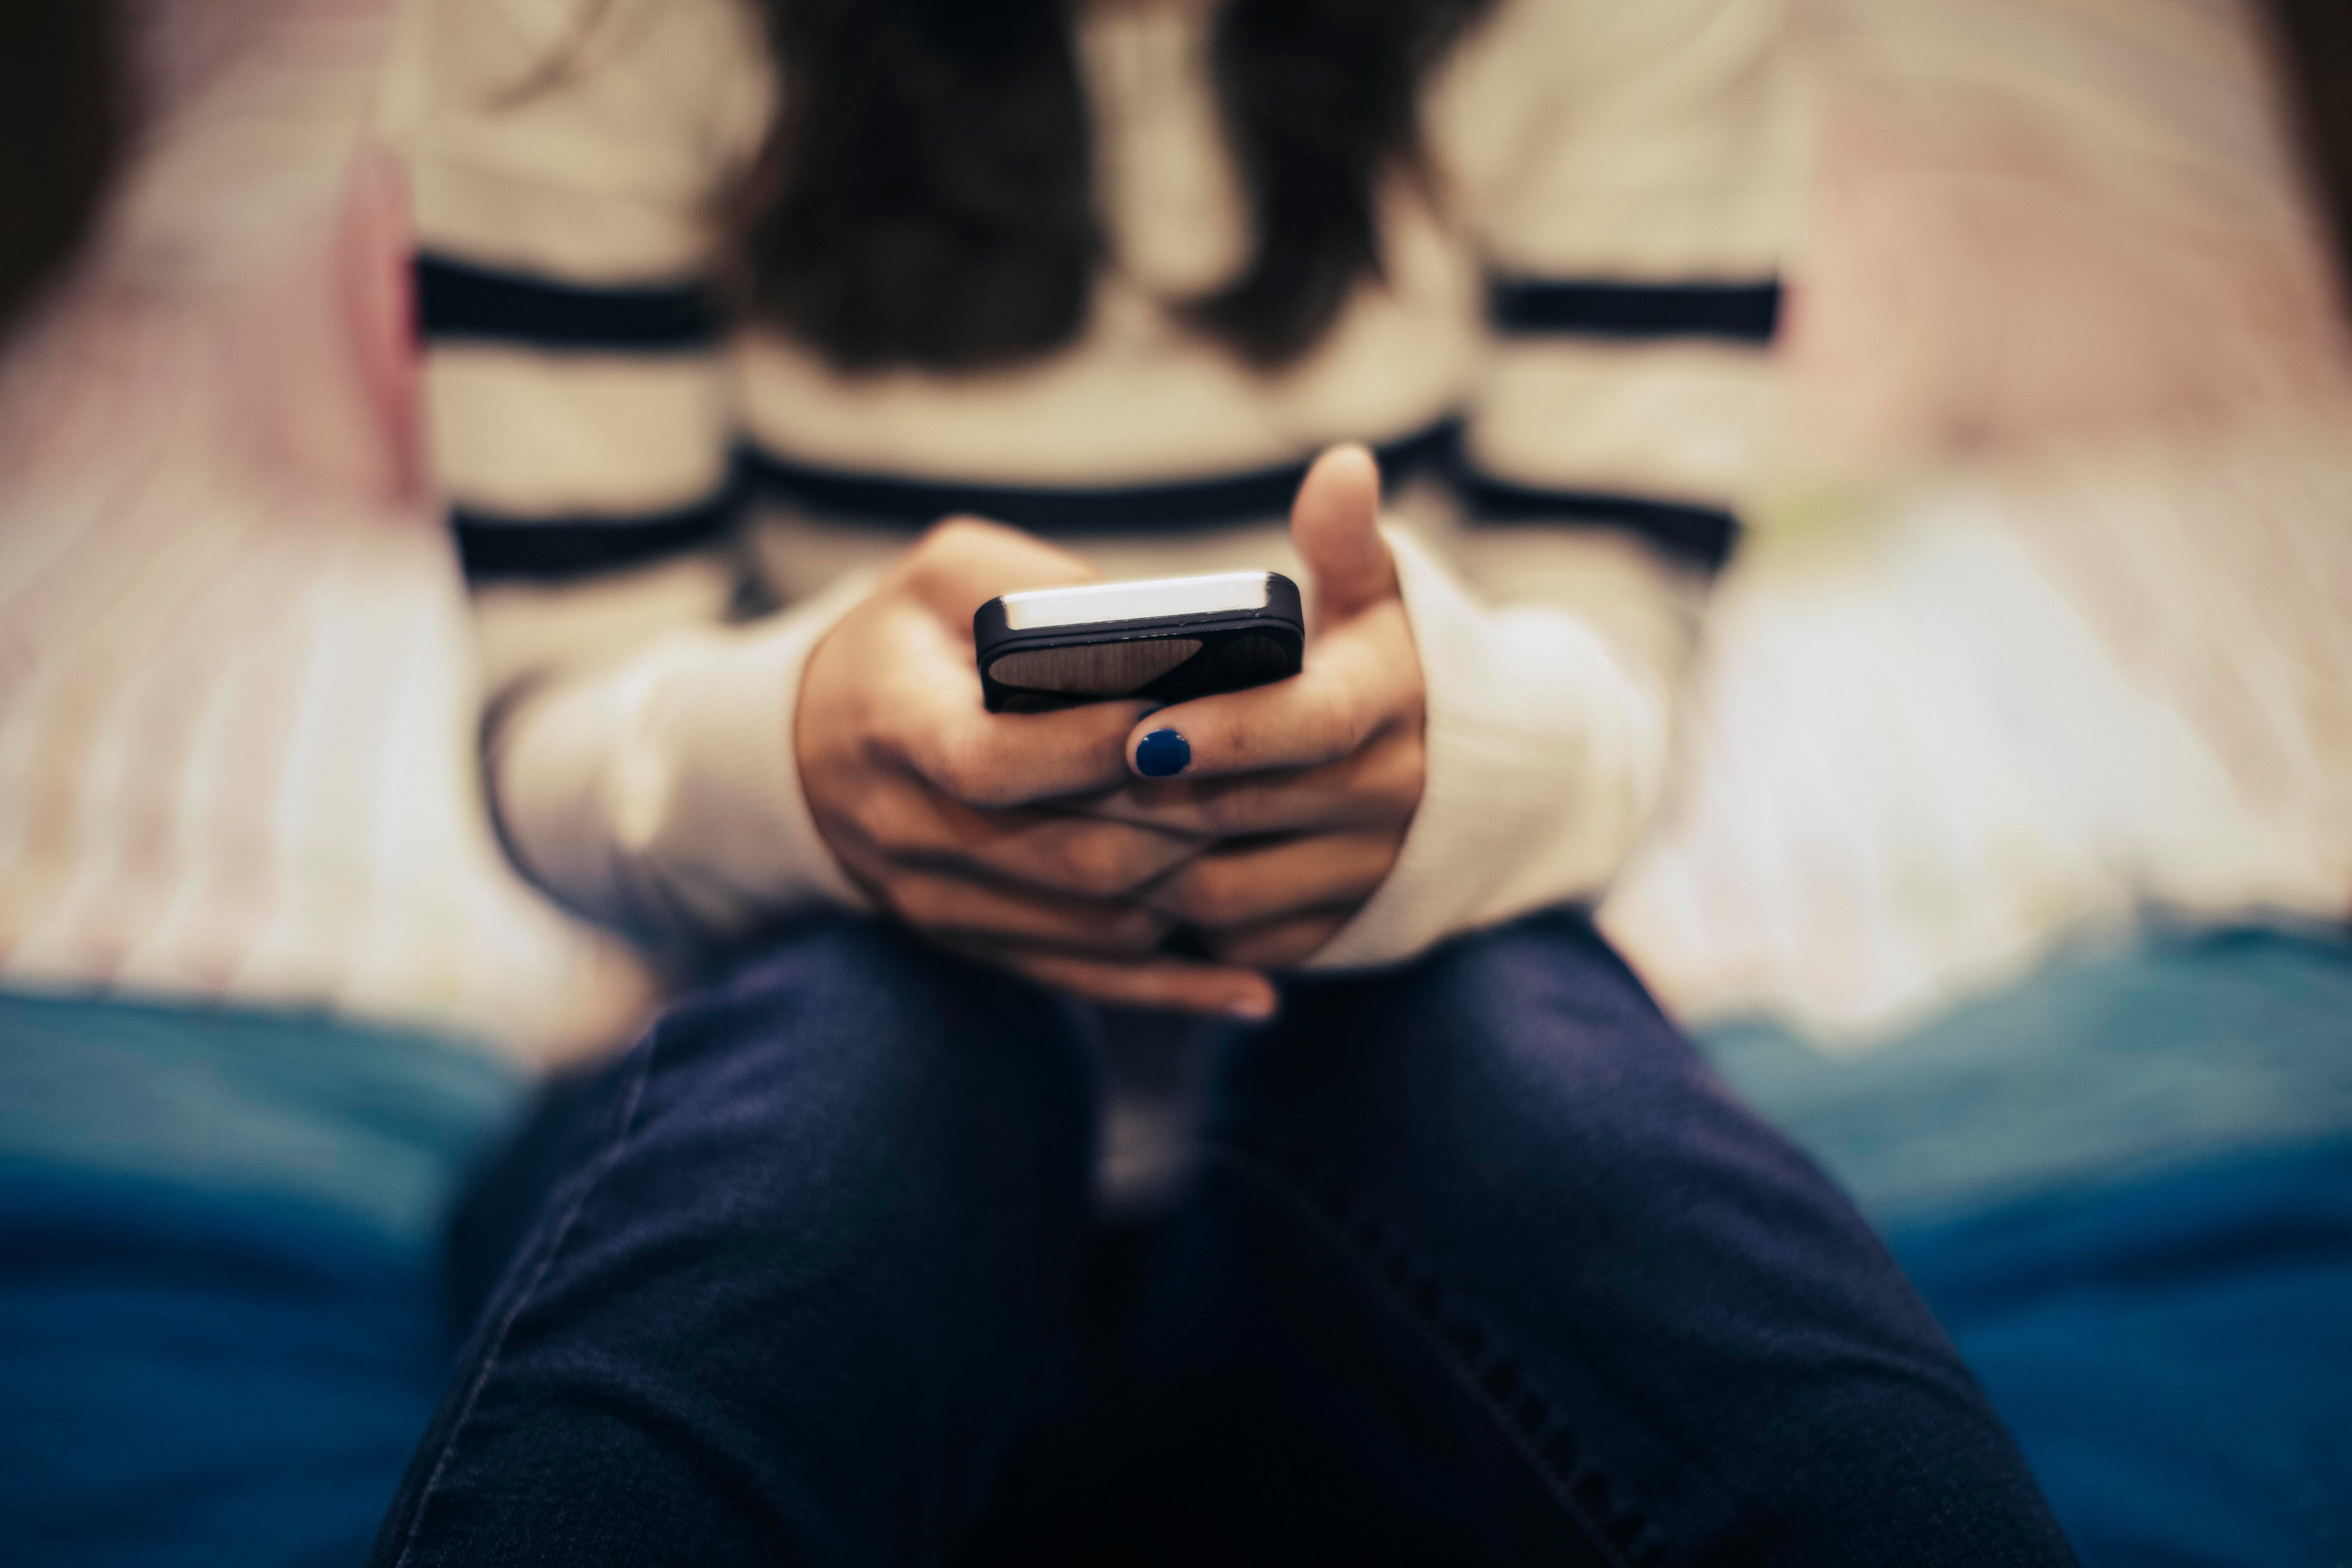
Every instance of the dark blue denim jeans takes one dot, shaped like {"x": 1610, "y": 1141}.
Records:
{"x": 1479, "y": 1263}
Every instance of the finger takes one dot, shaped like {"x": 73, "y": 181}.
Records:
{"x": 995, "y": 760}
{"x": 930, "y": 717}
{"x": 1257, "y": 883}
{"x": 1166, "y": 985}
{"x": 1376, "y": 786}
{"x": 1335, "y": 525}
{"x": 1356, "y": 683}
{"x": 1279, "y": 944}
{"x": 1071, "y": 856}
{"x": 949, "y": 906}
{"x": 964, "y": 561}
{"x": 1047, "y": 851}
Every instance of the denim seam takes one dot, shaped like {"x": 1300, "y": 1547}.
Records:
{"x": 1561, "y": 1482}
{"x": 604, "y": 1162}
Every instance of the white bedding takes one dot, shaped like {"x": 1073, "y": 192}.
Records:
{"x": 2045, "y": 620}
{"x": 2081, "y": 644}
{"x": 2007, "y": 709}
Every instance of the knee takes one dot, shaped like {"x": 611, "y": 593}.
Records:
{"x": 1544, "y": 1014}
{"x": 849, "y": 1055}
{"x": 849, "y": 1007}
{"x": 1532, "y": 1049}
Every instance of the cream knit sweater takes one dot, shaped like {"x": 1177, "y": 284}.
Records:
{"x": 1567, "y": 364}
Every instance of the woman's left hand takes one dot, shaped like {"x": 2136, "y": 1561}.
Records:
{"x": 1308, "y": 783}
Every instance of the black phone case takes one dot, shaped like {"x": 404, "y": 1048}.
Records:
{"x": 1113, "y": 659}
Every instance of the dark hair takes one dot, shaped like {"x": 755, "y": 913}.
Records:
{"x": 61, "y": 130}
{"x": 2316, "y": 35}
{"x": 926, "y": 198}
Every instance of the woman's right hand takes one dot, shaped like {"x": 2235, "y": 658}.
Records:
{"x": 929, "y": 800}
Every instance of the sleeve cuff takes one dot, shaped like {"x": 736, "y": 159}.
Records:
{"x": 1542, "y": 757}
{"x": 666, "y": 799}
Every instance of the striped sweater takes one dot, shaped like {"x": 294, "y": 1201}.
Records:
{"x": 1565, "y": 372}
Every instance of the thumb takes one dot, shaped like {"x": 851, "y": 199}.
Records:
{"x": 1335, "y": 526}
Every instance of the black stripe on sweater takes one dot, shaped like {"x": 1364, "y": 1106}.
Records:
{"x": 1731, "y": 313}
{"x": 496, "y": 549}
{"x": 504, "y": 548}
{"x": 1702, "y": 535}
{"x": 1249, "y": 496}
{"x": 460, "y": 302}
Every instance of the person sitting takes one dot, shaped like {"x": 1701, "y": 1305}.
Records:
{"x": 768, "y": 342}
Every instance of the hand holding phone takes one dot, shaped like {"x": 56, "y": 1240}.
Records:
{"x": 1308, "y": 785}
{"x": 932, "y": 805}
{"x": 1069, "y": 844}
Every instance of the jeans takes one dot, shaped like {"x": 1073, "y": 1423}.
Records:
{"x": 1479, "y": 1263}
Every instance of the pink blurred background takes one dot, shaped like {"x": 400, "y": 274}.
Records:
{"x": 2066, "y": 417}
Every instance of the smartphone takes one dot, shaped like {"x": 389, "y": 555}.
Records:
{"x": 1169, "y": 640}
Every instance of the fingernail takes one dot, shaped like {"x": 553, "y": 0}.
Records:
{"x": 1251, "y": 1010}
{"x": 1163, "y": 753}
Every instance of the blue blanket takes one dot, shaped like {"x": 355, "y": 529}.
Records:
{"x": 218, "y": 1277}
{"x": 2126, "y": 1187}
{"x": 2174, "y": 1352}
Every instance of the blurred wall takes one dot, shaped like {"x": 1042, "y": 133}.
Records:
{"x": 2042, "y": 222}
{"x": 236, "y": 747}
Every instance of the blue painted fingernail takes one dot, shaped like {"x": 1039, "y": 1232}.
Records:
{"x": 1163, "y": 753}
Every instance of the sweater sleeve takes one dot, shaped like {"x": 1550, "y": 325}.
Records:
{"x": 564, "y": 157}
{"x": 1633, "y": 240}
